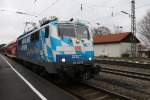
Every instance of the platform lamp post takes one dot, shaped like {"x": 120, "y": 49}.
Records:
{"x": 126, "y": 13}
{"x": 23, "y": 13}
{"x": 3, "y": 10}
{"x": 19, "y": 12}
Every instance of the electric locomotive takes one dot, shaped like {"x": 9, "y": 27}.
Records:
{"x": 63, "y": 48}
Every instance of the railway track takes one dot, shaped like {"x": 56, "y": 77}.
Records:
{"x": 86, "y": 91}
{"x": 125, "y": 75}
{"x": 133, "y": 74}
{"x": 129, "y": 69}
{"x": 124, "y": 63}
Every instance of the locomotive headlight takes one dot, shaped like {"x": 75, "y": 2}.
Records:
{"x": 90, "y": 58}
{"x": 63, "y": 60}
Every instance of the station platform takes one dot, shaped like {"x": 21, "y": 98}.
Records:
{"x": 19, "y": 83}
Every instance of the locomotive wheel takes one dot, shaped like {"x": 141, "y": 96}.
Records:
{"x": 43, "y": 73}
{"x": 97, "y": 76}
{"x": 86, "y": 76}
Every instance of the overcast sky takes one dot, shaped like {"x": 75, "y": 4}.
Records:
{"x": 12, "y": 24}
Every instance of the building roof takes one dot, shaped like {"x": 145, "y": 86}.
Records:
{"x": 113, "y": 38}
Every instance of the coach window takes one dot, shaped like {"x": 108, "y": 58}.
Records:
{"x": 35, "y": 36}
{"x": 46, "y": 32}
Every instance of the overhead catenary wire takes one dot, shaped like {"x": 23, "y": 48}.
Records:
{"x": 18, "y": 12}
{"x": 82, "y": 4}
{"x": 142, "y": 6}
{"x": 104, "y": 2}
{"x": 138, "y": 7}
{"x": 92, "y": 6}
{"x": 35, "y": 1}
{"x": 52, "y": 4}
{"x": 119, "y": 13}
{"x": 102, "y": 5}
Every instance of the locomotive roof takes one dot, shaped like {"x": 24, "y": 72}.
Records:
{"x": 56, "y": 21}
{"x": 32, "y": 31}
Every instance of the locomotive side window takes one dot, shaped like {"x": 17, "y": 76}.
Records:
{"x": 32, "y": 37}
{"x": 47, "y": 32}
{"x": 28, "y": 39}
{"x": 19, "y": 42}
{"x": 67, "y": 30}
{"x": 35, "y": 36}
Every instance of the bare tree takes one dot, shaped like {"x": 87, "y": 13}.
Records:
{"x": 102, "y": 30}
{"x": 118, "y": 29}
{"x": 144, "y": 27}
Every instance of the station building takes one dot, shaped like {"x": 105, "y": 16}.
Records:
{"x": 113, "y": 45}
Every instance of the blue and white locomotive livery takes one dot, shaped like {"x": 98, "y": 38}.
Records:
{"x": 60, "y": 47}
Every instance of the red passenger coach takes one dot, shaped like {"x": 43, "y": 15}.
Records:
{"x": 11, "y": 49}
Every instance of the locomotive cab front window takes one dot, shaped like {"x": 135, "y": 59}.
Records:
{"x": 82, "y": 31}
{"x": 67, "y": 30}
{"x": 73, "y": 30}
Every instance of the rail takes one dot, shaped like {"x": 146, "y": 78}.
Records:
{"x": 132, "y": 74}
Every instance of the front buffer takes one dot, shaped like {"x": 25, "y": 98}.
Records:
{"x": 78, "y": 71}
